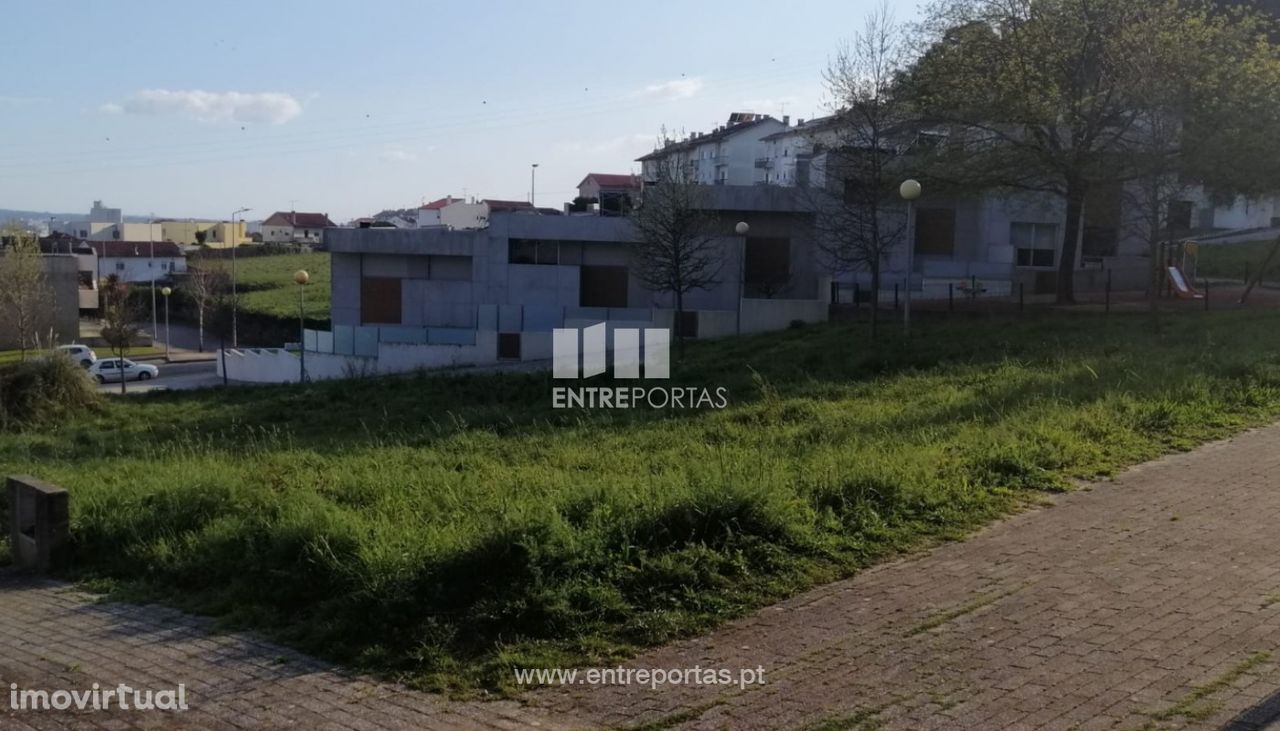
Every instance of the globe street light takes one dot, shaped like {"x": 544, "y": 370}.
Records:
{"x": 302, "y": 278}
{"x": 910, "y": 190}
{"x": 166, "y": 292}
{"x": 742, "y": 229}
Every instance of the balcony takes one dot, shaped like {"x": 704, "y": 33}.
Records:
{"x": 764, "y": 163}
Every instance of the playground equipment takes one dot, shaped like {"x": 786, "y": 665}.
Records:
{"x": 1180, "y": 285}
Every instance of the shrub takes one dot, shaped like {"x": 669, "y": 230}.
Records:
{"x": 44, "y": 392}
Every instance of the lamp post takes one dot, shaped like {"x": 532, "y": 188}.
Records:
{"x": 533, "y": 185}
{"x": 302, "y": 278}
{"x": 742, "y": 229}
{"x": 235, "y": 301}
{"x": 151, "y": 241}
{"x": 166, "y": 292}
{"x": 909, "y": 190}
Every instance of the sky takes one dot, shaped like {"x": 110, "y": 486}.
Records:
{"x": 198, "y": 109}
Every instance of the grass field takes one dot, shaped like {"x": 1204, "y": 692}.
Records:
{"x": 443, "y": 530}
{"x": 266, "y": 283}
{"x": 1232, "y": 261}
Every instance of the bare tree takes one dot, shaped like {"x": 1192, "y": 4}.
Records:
{"x": 204, "y": 285}
{"x": 118, "y": 318}
{"x": 858, "y": 153}
{"x": 676, "y": 250}
{"x": 26, "y": 299}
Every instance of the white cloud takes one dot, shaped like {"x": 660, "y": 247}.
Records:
{"x": 682, "y": 88}
{"x": 398, "y": 156}
{"x": 210, "y": 106}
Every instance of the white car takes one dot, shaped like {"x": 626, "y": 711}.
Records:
{"x": 117, "y": 369}
{"x": 81, "y": 354}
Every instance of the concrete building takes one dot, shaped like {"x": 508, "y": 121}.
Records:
{"x": 132, "y": 261}
{"x": 434, "y": 297}
{"x": 61, "y": 322}
{"x": 295, "y": 227}
{"x": 725, "y": 156}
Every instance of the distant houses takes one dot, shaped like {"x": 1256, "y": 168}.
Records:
{"x": 295, "y": 227}
{"x": 139, "y": 261}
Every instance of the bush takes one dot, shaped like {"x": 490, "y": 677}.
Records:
{"x": 44, "y": 392}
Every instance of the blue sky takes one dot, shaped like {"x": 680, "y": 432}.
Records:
{"x": 195, "y": 109}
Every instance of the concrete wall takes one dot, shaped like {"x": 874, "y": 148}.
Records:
{"x": 61, "y": 323}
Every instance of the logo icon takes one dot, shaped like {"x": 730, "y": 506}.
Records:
{"x": 571, "y": 348}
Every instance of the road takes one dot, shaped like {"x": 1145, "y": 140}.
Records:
{"x": 173, "y": 377}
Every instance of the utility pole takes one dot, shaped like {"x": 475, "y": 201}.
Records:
{"x": 151, "y": 241}
{"x": 533, "y": 185}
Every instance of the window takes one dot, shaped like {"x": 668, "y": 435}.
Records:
{"x": 509, "y": 346}
{"x": 119, "y": 266}
{"x": 1035, "y": 244}
{"x": 935, "y": 231}
{"x": 533, "y": 251}
{"x": 602, "y": 286}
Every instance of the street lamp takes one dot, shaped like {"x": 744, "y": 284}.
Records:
{"x": 235, "y": 301}
{"x": 909, "y": 190}
{"x": 151, "y": 241}
{"x": 533, "y": 185}
{"x": 166, "y": 292}
{"x": 741, "y": 229}
{"x": 302, "y": 278}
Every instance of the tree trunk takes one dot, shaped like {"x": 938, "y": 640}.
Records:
{"x": 200, "y": 318}
{"x": 679, "y": 324}
{"x": 1070, "y": 243}
{"x": 875, "y": 299}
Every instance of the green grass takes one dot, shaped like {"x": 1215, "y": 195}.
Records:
{"x": 266, "y": 283}
{"x": 1231, "y": 261}
{"x": 444, "y": 530}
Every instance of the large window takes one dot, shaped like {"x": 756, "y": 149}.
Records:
{"x": 544, "y": 251}
{"x": 1035, "y": 244}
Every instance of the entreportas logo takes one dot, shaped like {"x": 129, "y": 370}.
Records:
{"x": 637, "y": 353}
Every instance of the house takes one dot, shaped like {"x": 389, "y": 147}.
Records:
{"x": 795, "y": 155}
{"x": 725, "y": 156}
{"x": 214, "y": 234}
{"x": 288, "y": 227}
{"x": 429, "y": 213}
{"x": 139, "y": 261}
{"x": 466, "y": 216}
{"x": 431, "y": 297}
{"x": 614, "y": 194}
{"x": 86, "y": 265}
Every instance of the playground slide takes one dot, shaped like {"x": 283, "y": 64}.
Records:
{"x": 1184, "y": 290}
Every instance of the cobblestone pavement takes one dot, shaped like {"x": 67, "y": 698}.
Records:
{"x": 1149, "y": 602}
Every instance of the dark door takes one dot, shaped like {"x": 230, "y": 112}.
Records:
{"x": 602, "y": 286}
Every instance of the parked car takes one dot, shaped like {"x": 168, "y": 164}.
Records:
{"x": 81, "y": 354}
{"x": 117, "y": 369}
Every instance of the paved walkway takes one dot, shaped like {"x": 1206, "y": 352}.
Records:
{"x": 1151, "y": 602}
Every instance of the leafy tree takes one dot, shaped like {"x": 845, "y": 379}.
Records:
{"x": 118, "y": 317}
{"x": 860, "y": 153}
{"x": 26, "y": 299}
{"x": 1060, "y": 95}
{"x": 676, "y": 250}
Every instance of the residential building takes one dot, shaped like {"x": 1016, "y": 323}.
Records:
{"x": 288, "y": 227}
{"x": 429, "y": 297}
{"x": 725, "y": 156}
{"x": 214, "y": 234}
{"x": 795, "y": 155}
{"x": 139, "y": 261}
{"x": 614, "y": 195}
{"x": 467, "y": 216}
{"x": 86, "y": 266}
{"x": 100, "y": 219}
{"x": 429, "y": 213}
{"x": 59, "y": 323}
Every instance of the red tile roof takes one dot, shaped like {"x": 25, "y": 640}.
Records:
{"x": 610, "y": 180}
{"x": 299, "y": 219}
{"x": 135, "y": 249}
{"x": 438, "y": 204}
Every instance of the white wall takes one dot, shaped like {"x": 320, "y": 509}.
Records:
{"x": 139, "y": 269}
{"x": 465, "y": 215}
